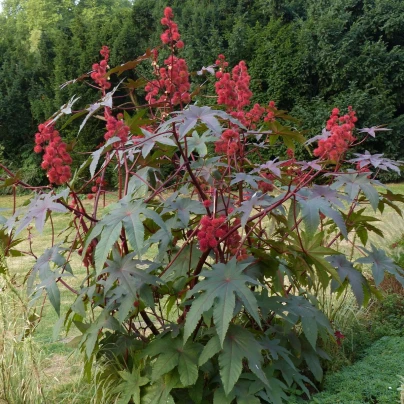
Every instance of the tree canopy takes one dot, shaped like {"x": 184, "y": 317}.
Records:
{"x": 307, "y": 56}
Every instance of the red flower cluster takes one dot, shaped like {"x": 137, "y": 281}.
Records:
{"x": 213, "y": 229}
{"x": 99, "y": 183}
{"x": 173, "y": 82}
{"x": 116, "y": 127}
{"x": 266, "y": 186}
{"x": 100, "y": 70}
{"x": 341, "y": 137}
{"x": 170, "y": 36}
{"x": 256, "y": 114}
{"x": 233, "y": 91}
{"x": 270, "y": 112}
{"x": 228, "y": 142}
{"x": 360, "y": 169}
{"x": 339, "y": 336}
{"x": 56, "y": 159}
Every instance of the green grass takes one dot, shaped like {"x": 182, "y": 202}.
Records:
{"x": 39, "y": 360}
{"x": 374, "y": 379}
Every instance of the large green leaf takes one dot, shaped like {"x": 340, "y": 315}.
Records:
{"x": 184, "y": 207}
{"x": 49, "y": 275}
{"x": 312, "y": 203}
{"x": 346, "y": 270}
{"x": 172, "y": 353}
{"x": 381, "y": 263}
{"x": 295, "y": 308}
{"x": 159, "y": 391}
{"x": 354, "y": 182}
{"x": 314, "y": 253}
{"x": 130, "y": 277}
{"x": 127, "y": 215}
{"x": 130, "y": 387}
{"x": 219, "y": 289}
{"x": 182, "y": 266}
{"x": 238, "y": 344}
{"x": 198, "y": 143}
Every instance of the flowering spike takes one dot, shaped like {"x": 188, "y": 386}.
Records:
{"x": 340, "y": 128}
{"x": 56, "y": 159}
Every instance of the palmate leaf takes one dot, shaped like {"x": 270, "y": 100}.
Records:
{"x": 150, "y": 140}
{"x": 389, "y": 198}
{"x": 372, "y": 131}
{"x": 272, "y": 166}
{"x": 274, "y": 393}
{"x": 239, "y": 344}
{"x": 184, "y": 207}
{"x": 198, "y": 143}
{"x": 219, "y": 289}
{"x": 95, "y": 156}
{"x": 182, "y": 266}
{"x": 37, "y": 210}
{"x": 127, "y": 215}
{"x": 381, "y": 263}
{"x": 353, "y": 183}
{"x": 49, "y": 283}
{"x": 159, "y": 392}
{"x": 172, "y": 353}
{"x": 48, "y": 275}
{"x": 361, "y": 224}
{"x": 346, "y": 270}
{"x": 312, "y": 203}
{"x": 257, "y": 199}
{"x": 188, "y": 120}
{"x": 295, "y": 308}
{"x": 91, "y": 332}
{"x": 249, "y": 179}
{"x": 163, "y": 237}
{"x": 130, "y": 387}
{"x": 314, "y": 253}
{"x": 276, "y": 350}
{"x": 132, "y": 276}
{"x": 377, "y": 161}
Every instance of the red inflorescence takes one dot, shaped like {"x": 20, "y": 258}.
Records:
{"x": 214, "y": 229}
{"x": 270, "y": 112}
{"x": 341, "y": 128}
{"x": 172, "y": 83}
{"x": 265, "y": 186}
{"x": 170, "y": 36}
{"x": 116, "y": 127}
{"x": 56, "y": 159}
{"x": 100, "y": 70}
{"x": 228, "y": 142}
{"x": 233, "y": 91}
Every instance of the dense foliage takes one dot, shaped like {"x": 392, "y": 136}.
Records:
{"x": 203, "y": 281}
{"x": 307, "y": 56}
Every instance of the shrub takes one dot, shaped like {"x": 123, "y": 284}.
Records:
{"x": 202, "y": 284}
